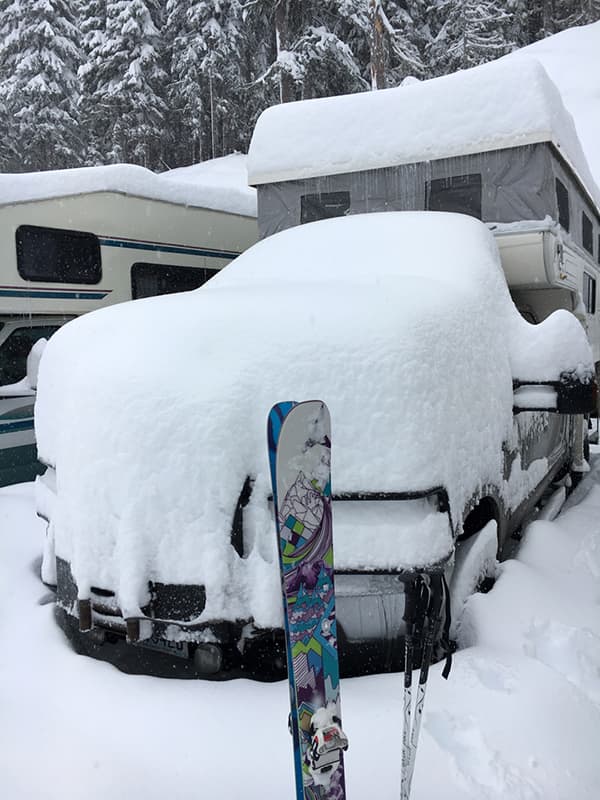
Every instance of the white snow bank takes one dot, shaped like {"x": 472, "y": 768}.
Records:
{"x": 151, "y": 454}
{"x": 221, "y": 184}
{"x": 518, "y": 718}
{"x": 497, "y": 105}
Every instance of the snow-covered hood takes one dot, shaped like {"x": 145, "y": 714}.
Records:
{"x": 154, "y": 412}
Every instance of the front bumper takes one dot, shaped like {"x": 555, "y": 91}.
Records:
{"x": 370, "y": 626}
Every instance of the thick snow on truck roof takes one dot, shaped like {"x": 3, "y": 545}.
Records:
{"x": 154, "y": 412}
{"x": 503, "y": 104}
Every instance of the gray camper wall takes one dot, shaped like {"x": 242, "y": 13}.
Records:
{"x": 510, "y": 185}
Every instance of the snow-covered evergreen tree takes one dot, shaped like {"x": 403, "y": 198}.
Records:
{"x": 130, "y": 83}
{"x": 324, "y": 64}
{"x": 93, "y": 119}
{"x": 468, "y": 32}
{"x": 569, "y": 13}
{"x": 310, "y": 56}
{"x": 226, "y": 61}
{"x": 39, "y": 58}
{"x": 387, "y": 38}
{"x": 410, "y": 40}
{"x": 9, "y": 25}
{"x": 205, "y": 75}
{"x": 590, "y": 11}
{"x": 517, "y": 26}
{"x": 542, "y": 19}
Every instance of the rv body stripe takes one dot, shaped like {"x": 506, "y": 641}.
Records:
{"x": 157, "y": 247}
{"x": 18, "y": 425}
{"x": 53, "y": 294}
{"x": 94, "y": 294}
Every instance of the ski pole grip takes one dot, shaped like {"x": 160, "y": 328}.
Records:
{"x": 411, "y": 601}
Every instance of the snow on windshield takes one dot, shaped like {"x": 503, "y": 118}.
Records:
{"x": 221, "y": 184}
{"x": 154, "y": 412}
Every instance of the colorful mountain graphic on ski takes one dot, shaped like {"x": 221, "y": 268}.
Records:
{"x": 299, "y": 450}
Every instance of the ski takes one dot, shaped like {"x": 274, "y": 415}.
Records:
{"x": 299, "y": 437}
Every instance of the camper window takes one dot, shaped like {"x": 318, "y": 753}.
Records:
{"x": 587, "y": 233}
{"x": 562, "y": 201}
{"x": 589, "y": 293}
{"x": 148, "y": 280}
{"x": 323, "y": 206}
{"x": 460, "y": 193}
{"x": 16, "y": 348}
{"x": 57, "y": 256}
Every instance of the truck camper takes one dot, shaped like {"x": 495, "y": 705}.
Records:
{"x": 493, "y": 142}
{"x": 74, "y": 241}
{"x": 453, "y": 414}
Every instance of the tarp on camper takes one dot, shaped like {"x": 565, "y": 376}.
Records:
{"x": 502, "y": 186}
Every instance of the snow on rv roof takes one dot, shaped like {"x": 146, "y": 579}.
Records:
{"x": 220, "y": 184}
{"x": 567, "y": 57}
{"x": 494, "y": 106}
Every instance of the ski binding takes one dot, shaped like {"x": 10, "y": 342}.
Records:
{"x": 328, "y": 740}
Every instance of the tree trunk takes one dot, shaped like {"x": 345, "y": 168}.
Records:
{"x": 286, "y": 83}
{"x": 548, "y": 17}
{"x": 377, "y": 45}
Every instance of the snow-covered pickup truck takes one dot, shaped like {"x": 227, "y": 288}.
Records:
{"x": 450, "y": 412}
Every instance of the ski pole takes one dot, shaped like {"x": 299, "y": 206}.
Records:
{"x": 430, "y": 635}
{"x": 413, "y": 606}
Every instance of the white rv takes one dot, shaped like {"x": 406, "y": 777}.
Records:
{"x": 74, "y": 241}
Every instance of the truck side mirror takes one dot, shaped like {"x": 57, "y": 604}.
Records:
{"x": 569, "y": 395}
{"x": 574, "y": 396}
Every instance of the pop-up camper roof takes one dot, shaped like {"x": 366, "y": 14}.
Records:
{"x": 219, "y": 185}
{"x": 504, "y": 104}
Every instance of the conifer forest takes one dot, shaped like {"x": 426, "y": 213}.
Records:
{"x": 165, "y": 83}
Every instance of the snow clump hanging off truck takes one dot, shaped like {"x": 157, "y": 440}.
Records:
{"x": 452, "y": 414}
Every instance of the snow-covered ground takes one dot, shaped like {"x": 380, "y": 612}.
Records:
{"x": 519, "y": 717}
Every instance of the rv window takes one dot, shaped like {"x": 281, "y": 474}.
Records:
{"x": 323, "y": 206}
{"x": 461, "y": 194}
{"x": 57, "y": 256}
{"x": 587, "y": 233}
{"x": 15, "y": 349}
{"x": 148, "y": 280}
{"x": 589, "y": 293}
{"x": 562, "y": 200}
